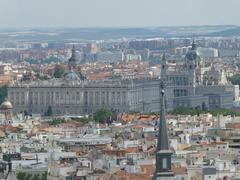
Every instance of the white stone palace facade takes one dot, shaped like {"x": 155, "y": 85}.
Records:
{"x": 189, "y": 83}
{"x": 83, "y": 97}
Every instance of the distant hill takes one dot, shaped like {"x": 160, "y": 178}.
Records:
{"x": 71, "y": 34}
{"x": 227, "y": 33}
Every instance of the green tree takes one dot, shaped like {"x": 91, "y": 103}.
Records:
{"x": 44, "y": 176}
{"x": 102, "y": 115}
{"x": 3, "y": 93}
{"x": 42, "y": 77}
{"x": 55, "y": 122}
{"x": 58, "y": 71}
{"x": 21, "y": 176}
{"x": 83, "y": 120}
{"x": 235, "y": 79}
{"x": 198, "y": 111}
{"x": 36, "y": 177}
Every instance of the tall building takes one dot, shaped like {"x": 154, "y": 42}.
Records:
{"x": 192, "y": 83}
{"x": 92, "y": 48}
{"x": 72, "y": 61}
{"x": 74, "y": 95}
{"x": 163, "y": 153}
{"x": 188, "y": 84}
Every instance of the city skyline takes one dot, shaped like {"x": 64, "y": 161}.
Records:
{"x": 107, "y": 13}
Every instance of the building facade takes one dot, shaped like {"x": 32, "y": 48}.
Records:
{"x": 77, "y": 97}
{"x": 188, "y": 83}
{"x": 191, "y": 83}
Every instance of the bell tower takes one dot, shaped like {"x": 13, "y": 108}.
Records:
{"x": 163, "y": 154}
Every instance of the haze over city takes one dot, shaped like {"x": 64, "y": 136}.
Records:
{"x": 112, "y": 13}
{"x": 119, "y": 90}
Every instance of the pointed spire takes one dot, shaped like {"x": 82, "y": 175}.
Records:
{"x": 163, "y": 154}
{"x": 164, "y": 56}
{"x": 74, "y": 51}
{"x": 163, "y": 65}
{"x": 72, "y": 61}
{"x": 194, "y": 46}
{"x": 162, "y": 133}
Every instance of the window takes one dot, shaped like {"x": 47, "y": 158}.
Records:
{"x": 118, "y": 98}
{"x": 103, "y": 98}
{"x": 164, "y": 163}
{"x": 22, "y": 98}
{"x": 113, "y": 98}
{"x": 107, "y": 94}
{"x": 96, "y": 97}
{"x": 124, "y": 98}
{"x": 86, "y": 97}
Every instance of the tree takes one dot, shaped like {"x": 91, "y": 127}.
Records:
{"x": 3, "y": 93}
{"x": 102, "y": 115}
{"x": 55, "y": 122}
{"x": 44, "y": 176}
{"x": 21, "y": 176}
{"x": 198, "y": 111}
{"x": 235, "y": 79}
{"x": 58, "y": 71}
{"x": 83, "y": 120}
{"x": 36, "y": 177}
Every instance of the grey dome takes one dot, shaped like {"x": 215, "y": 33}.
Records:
{"x": 192, "y": 53}
{"x": 72, "y": 76}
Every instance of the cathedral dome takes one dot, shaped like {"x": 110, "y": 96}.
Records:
{"x": 6, "y": 105}
{"x": 72, "y": 76}
{"x": 192, "y": 53}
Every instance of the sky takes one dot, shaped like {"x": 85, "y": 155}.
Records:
{"x": 118, "y": 13}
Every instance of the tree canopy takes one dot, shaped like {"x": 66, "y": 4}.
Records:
{"x": 25, "y": 175}
{"x": 102, "y": 115}
{"x": 55, "y": 122}
{"x": 235, "y": 79}
{"x": 58, "y": 71}
{"x": 198, "y": 111}
{"x": 3, "y": 93}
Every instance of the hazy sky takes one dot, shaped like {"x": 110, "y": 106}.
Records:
{"x": 112, "y": 13}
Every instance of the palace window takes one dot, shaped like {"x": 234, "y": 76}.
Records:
{"x": 85, "y": 97}
{"x": 103, "y": 97}
{"x": 97, "y": 97}
{"x": 113, "y": 98}
{"x": 118, "y": 98}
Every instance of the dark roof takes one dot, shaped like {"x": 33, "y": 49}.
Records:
{"x": 209, "y": 171}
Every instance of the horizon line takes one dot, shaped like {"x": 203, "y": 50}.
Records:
{"x": 114, "y": 27}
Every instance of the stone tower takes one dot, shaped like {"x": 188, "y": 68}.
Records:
{"x": 163, "y": 153}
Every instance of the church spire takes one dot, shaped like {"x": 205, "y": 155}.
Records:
{"x": 163, "y": 153}
{"x": 72, "y": 61}
{"x": 162, "y": 132}
{"x": 194, "y": 45}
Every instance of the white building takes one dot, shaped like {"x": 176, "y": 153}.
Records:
{"x": 208, "y": 52}
{"x": 108, "y": 56}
